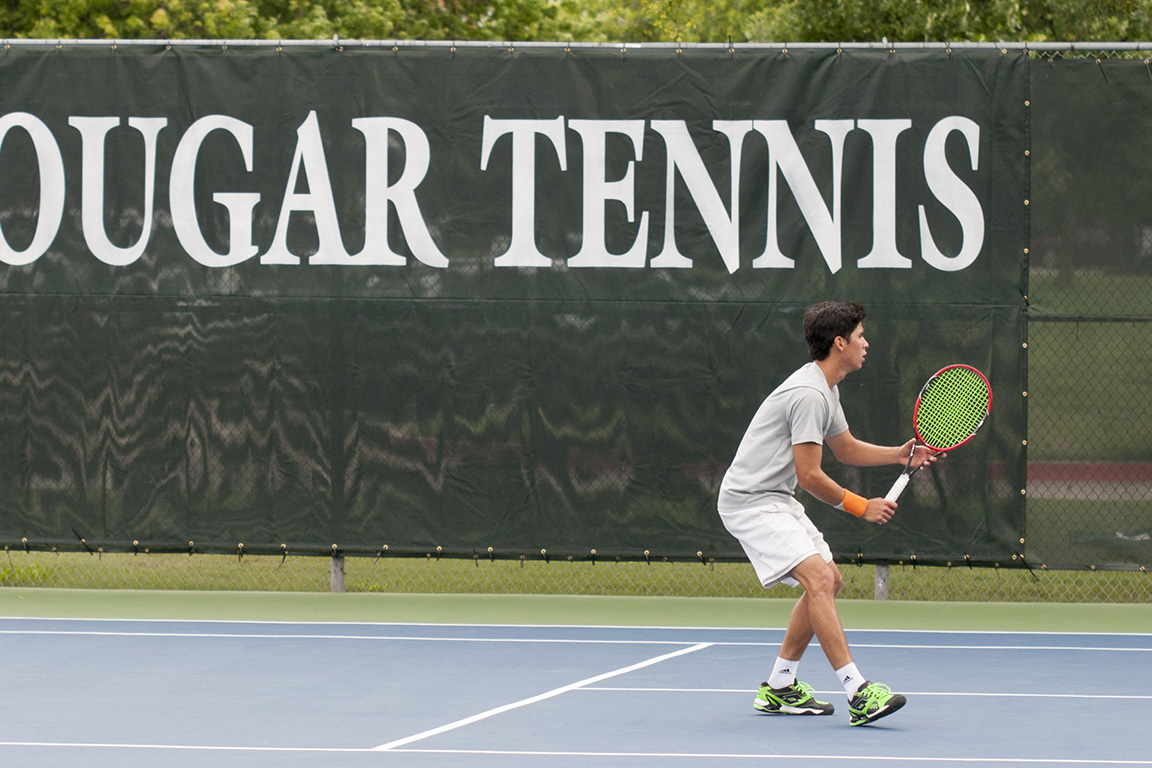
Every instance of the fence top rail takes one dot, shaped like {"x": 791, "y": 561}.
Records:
{"x": 337, "y": 42}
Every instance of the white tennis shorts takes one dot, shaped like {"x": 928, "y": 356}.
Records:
{"x": 777, "y": 537}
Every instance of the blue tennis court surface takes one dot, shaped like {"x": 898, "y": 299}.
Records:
{"x": 128, "y": 693}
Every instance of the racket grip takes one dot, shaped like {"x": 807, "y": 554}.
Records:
{"x": 898, "y": 487}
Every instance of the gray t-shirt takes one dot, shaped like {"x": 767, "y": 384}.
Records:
{"x": 801, "y": 410}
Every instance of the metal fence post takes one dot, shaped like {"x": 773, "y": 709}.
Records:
{"x": 882, "y": 582}
{"x": 337, "y": 573}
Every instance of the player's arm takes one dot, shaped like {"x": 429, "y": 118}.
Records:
{"x": 813, "y": 479}
{"x": 858, "y": 453}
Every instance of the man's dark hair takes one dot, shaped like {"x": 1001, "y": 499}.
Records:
{"x": 825, "y": 321}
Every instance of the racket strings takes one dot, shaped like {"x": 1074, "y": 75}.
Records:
{"x": 952, "y": 407}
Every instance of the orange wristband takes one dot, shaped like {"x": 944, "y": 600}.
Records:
{"x": 853, "y": 504}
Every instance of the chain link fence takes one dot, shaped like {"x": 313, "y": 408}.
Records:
{"x": 1089, "y": 484}
{"x": 1090, "y": 312}
{"x": 483, "y": 576}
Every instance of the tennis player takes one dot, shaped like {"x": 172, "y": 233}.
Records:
{"x": 782, "y": 450}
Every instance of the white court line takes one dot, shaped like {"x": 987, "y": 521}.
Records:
{"x": 685, "y": 628}
{"x": 575, "y": 641}
{"x": 393, "y": 638}
{"x": 949, "y": 694}
{"x": 534, "y": 699}
{"x": 861, "y": 759}
{"x": 990, "y": 647}
{"x": 172, "y": 747}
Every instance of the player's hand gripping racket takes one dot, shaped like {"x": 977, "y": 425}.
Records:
{"x": 951, "y": 408}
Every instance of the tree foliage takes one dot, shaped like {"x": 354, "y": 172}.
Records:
{"x": 290, "y": 19}
{"x": 585, "y": 20}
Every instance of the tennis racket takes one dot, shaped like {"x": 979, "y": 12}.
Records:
{"x": 949, "y": 411}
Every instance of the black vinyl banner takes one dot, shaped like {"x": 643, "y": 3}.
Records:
{"x": 492, "y": 298}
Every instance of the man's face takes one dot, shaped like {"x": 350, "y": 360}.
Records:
{"x": 856, "y": 347}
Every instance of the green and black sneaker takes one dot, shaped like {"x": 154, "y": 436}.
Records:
{"x": 872, "y": 702}
{"x": 796, "y": 699}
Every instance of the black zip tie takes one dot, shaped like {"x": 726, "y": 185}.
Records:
{"x": 701, "y": 556}
{"x": 240, "y": 552}
{"x": 543, "y": 554}
{"x": 593, "y": 557}
{"x": 283, "y": 554}
{"x": 83, "y": 542}
{"x": 968, "y": 560}
{"x": 1025, "y": 563}
{"x": 135, "y": 547}
{"x": 647, "y": 557}
{"x": 25, "y": 543}
{"x": 491, "y": 556}
{"x": 191, "y": 548}
{"x": 438, "y": 551}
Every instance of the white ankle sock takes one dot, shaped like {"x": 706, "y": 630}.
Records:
{"x": 850, "y": 678}
{"x": 783, "y": 673}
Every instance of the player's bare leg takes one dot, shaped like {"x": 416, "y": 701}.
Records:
{"x": 867, "y": 701}
{"x": 786, "y": 694}
{"x": 815, "y": 613}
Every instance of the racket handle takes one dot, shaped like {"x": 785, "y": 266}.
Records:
{"x": 898, "y": 487}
